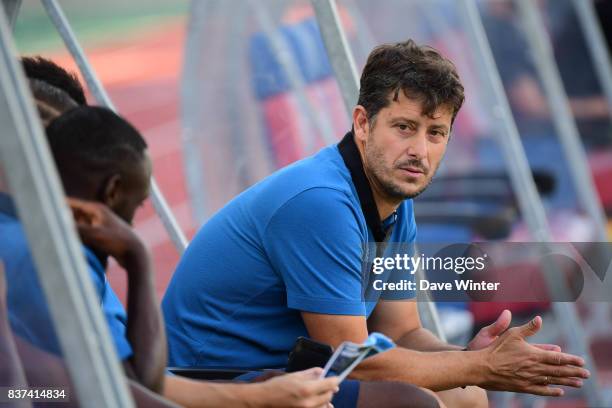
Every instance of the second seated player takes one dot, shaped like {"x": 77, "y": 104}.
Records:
{"x": 284, "y": 258}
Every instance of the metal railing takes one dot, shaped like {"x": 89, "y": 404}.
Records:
{"x": 529, "y": 201}
{"x": 160, "y": 204}
{"x": 35, "y": 187}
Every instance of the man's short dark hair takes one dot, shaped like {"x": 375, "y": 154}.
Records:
{"x": 48, "y": 71}
{"x": 421, "y": 72}
{"x": 50, "y": 101}
{"x": 91, "y": 143}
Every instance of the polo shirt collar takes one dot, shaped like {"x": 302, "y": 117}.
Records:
{"x": 352, "y": 159}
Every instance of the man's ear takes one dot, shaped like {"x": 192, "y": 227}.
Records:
{"x": 111, "y": 193}
{"x": 360, "y": 123}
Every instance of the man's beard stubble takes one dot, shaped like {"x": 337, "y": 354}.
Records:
{"x": 375, "y": 162}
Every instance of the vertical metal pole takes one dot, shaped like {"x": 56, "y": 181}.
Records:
{"x": 159, "y": 202}
{"x": 83, "y": 335}
{"x": 596, "y": 43}
{"x": 529, "y": 201}
{"x": 11, "y": 8}
{"x": 190, "y": 97}
{"x": 239, "y": 133}
{"x": 542, "y": 54}
{"x": 364, "y": 35}
{"x": 343, "y": 63}
{"x": 427, "y": 307}
{"x": 291, "y": 69}
{"x": 338, "y": 50}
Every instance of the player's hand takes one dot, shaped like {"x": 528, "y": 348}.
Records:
{"x": 104, "y": 231}
{"x": 512, "y": 364}
{"x": 490, "y": 333}
{"x": 303, "y": 389}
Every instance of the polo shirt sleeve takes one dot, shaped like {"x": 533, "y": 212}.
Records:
{"x": 314, "y": 242}
{"x": 113, "y": 310}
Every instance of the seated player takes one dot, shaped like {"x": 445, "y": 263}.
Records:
{"x": 291, "y": 255}
{"x": 272, "y": 392}
{"x": 24, "y": 366}
{"x": 101, "y": 158}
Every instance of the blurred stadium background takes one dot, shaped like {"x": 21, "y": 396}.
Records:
{"x": 220, "y": 110}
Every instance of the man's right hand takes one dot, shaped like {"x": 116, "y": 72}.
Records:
{"x": 104, "y": 231}
{"x": 303, "y": 389}
{"x": 512, "y": 364}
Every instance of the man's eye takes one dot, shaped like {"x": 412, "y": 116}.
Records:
{"x": 406, "y": 126}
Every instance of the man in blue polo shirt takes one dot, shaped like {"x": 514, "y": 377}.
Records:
{"x": 289, "y": 256}
{"x": 103, "y": 160}
{"x": 301, "y": 233}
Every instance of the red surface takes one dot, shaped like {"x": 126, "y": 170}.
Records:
{"x": 283, "y": 129}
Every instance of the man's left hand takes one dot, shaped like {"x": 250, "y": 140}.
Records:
{"x": 102, "y": 230}
{"x": 488, "y": 334}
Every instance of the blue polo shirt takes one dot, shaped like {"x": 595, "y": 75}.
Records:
{"x": 293, "y": 242}
{"x": 29, "y": 316}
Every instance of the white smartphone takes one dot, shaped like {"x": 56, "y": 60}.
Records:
{"x": 344, "y": 360}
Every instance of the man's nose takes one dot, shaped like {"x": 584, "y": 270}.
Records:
{"x": 417, "y": 146}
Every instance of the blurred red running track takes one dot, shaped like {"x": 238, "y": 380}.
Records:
{"x": 142, "y": 76}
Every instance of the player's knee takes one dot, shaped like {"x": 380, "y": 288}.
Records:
{"x": 476, "y": 397}
{"x": 470, "y": 397}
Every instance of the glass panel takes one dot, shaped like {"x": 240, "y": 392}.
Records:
{"x": 583, "y": 86}
{"x": 136, "y": 49}
{"x": 472, "y": 199}
{"x": 265, "y": 96}
{"x": 527, "y": 97}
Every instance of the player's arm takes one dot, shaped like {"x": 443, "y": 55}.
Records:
{"x": 400, "y": 321}
{"x": 301, "y": 389}
{"x": 399, "y": 364}
{"x": 509, "y": 363}
{"x": 102, "y": 230}
{"x": 145, "y": 327}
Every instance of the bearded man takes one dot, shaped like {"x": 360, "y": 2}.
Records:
{"x": 286, "y": 257}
